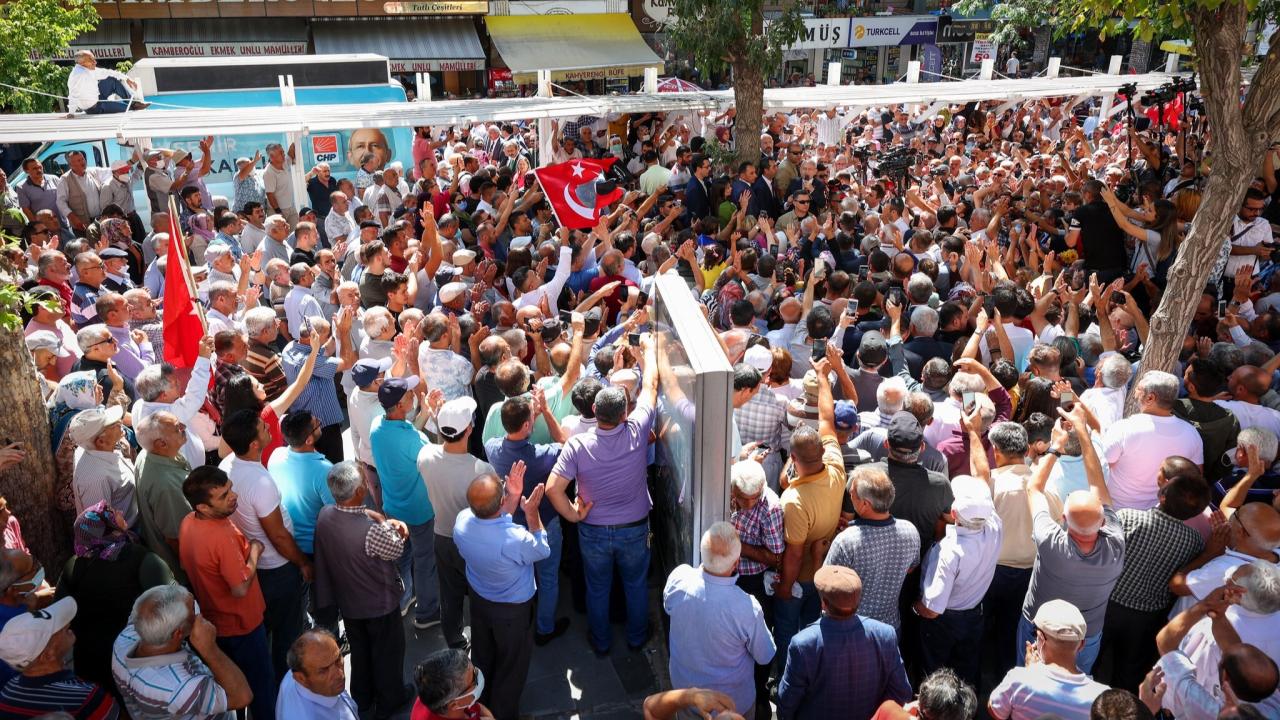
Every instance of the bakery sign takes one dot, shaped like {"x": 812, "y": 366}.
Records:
{"x": 225, "y": 49}
{"x": 105, "y": 51}
{"x": 436, "y": 65}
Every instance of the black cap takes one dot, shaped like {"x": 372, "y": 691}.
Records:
{"x": 904, "y": 432}
{"x": 872, "y": 350}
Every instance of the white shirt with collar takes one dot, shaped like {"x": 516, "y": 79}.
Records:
{"x": 1199, "y": 646}
{"x": 1106, "y": 404}
{"x": 298, "y": 703}
{"x": 1209, "y": 577}
{"x": 958, "y": 569}
{"x": 82, "y": 86}
{"x": 90, "y": 185}
{"x": 1246, "y": 234}
{"x": 1252, "y": 415}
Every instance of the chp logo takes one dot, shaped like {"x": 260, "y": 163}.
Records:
{"x": 324, "y": 148}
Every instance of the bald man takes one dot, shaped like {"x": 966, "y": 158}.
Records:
{"x": 500, "y": 556}
{"x": 1247, "y": 385}
{"x": 1254, "y": 533}
{"x": 827, "y": 674}
{"x": 1080, "y": 560}
{"x": 316, "y": 686}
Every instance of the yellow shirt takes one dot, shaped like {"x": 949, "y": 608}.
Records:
{"x": 811, "y": 505}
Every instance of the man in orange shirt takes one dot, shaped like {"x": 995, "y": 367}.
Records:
{"x": 222, "y": 567}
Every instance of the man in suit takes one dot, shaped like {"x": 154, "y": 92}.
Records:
{"x": 743, "y": 183}
{"x": 697, "y": 203}
{"x": 762, "y": 193}
{"x": 923, "y": 346}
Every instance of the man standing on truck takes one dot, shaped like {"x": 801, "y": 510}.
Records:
{"x": 90, "y": 88}
{"x": 277, "y": 178}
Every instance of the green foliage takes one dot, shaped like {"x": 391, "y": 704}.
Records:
{"x": 12, "y": 297}
{"x": 43, "y": 28}
{"x": 1151, "y": 18}
{"x": 722, "y": 34}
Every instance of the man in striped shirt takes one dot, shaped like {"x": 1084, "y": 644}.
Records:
{"x": 39, "y": 644}
{"x": 158, "y": 674}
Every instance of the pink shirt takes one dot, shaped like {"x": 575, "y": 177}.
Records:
{"x": 63, "y": 331}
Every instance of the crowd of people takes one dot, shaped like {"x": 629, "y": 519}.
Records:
{"x": 424, "y": 406}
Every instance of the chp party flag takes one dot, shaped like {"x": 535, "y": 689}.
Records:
{"x": 578, "y": 191}
{"x": 183, "y": 320}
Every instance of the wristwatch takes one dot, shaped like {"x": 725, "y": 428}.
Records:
{"x": 1053, "y": 452}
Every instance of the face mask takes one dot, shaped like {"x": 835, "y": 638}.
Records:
{"x": 477, "y": 692}
{"x": 36, "y": 581}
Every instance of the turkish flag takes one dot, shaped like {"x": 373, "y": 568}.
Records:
{"x": 578, "y": 191}
{"x": 183, "y": 319}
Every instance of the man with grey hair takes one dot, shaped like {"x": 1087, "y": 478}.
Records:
{"x": 355, "y": 569}
{"x": 274, "y": 245}
{"x": 167, "y": 663}
{"x": 1136, "y": 446}
{"x": 158, "y": 391}
{"x": 1106, "y": 398}
{"x": 882, "y": 549}
{"x": 262, "y": 361}
{"x": 609, "y": 468}
{"x": 320, "y": 395}
{"x": 922, "y": 346}
{"x": 718, "y": 634}
{"x": 449, "y": 685}
{"x": 1246, "y": 608}
{"x": 161, "y": 469}
{"x": 316, "y": 686}
{"x": 1080, "y": 560}
{"x": 300, "y": 303}
{"x": 1008, "y": 480}
{"x": 98, "y": 349}
{"x": 277, "y": 180}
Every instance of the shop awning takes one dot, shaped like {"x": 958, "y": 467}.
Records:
{"x": 109, "y": 41}
{"x": 412, "y": 45}
{"x": 225, "y": 37}
{"x": 572, "y": 47}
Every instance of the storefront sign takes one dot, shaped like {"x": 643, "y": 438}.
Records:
{"x": 437, "y": 7}
{"x": 185, "y": 9}
{"x": 226, "y": 49}
{"x": 417, "y": 66}
{"x": 955, "y": 30}
{"x": 930, "y": 63}
{"x": 983, "y": 49}
{"x": 836, "y": 33}
{"x": 605, "y": 73}
{"x": 651, "y": 16}
{"x": 101, "y": 52}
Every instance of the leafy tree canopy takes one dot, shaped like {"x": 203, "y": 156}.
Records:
{"x": 721, "y": 34}
{"x": 41, "y": 28}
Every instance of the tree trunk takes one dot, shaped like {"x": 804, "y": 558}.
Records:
{"x": 1240, "y": 136}
{"x": 28, "y": 486}
{"x": 748, "y": 98}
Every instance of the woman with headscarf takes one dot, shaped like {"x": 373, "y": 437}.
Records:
{"x": 110, "y": 569}
{"x": 118, "y": 234}
{"x": 77, "y": 391}
{"x": 201, "y": 235}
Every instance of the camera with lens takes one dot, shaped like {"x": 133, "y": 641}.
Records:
{"x": 862, "y": 150}
{"x": 896, "y": 161}
{"x": 1129, "y": 90}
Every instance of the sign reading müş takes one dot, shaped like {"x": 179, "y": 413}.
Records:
{"x": 838, "y": 33}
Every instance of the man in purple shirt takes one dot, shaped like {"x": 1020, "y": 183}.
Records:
{"x": 609, "y": 466}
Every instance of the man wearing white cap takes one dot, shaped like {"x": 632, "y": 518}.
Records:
{"x": 1049, "y": 683}
{"x": 39, "y": 645}
{"x": 448, "y": 470}
{"x": 45, "y": 349}
{"x": 453, "y": 298}
{"x": 102, "y": 473}
{"x": 958, "y": 570}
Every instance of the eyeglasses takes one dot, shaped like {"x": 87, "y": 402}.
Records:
{"x": 801, "y": 202}
{"x": 111, "y": 340}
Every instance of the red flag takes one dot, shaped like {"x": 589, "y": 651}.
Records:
{"x": 578, "y": 191}
{"x": 183, "y": 316}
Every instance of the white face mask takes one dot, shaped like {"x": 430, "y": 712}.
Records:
{"x": 476, "y": 692}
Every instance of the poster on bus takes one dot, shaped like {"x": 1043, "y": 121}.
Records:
{"x": 983, "y": 48}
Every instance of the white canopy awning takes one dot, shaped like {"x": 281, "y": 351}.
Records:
{"x": 307, "y": 118}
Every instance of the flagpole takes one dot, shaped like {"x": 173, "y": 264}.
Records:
{"x": 175, "y": 225}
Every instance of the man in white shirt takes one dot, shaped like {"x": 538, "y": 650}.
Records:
{"x": 277, "y": 178}
{"x": 1247, "y": 385}
{"x": 1012, "y": 66}
{"x": 1106, "y": 398}
{"x": 90, "y": 88}
{"x": 1248, "y": 233}
{"x": 1136, "y": 446}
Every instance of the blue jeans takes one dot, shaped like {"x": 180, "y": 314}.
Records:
{"x": 548, "y": 574}
{"x": 602, "y": 547}
{"x": 250, "y": 654}
{"x": 791, "y": 615}
{"x": 286, "y": 616}
{"x": 106, "y": 88}
{"x": 418, "y": 570}
{"x": 1085, "y": 658}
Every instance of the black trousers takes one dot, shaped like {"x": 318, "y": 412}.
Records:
{"x": 753, "y": 585}
{"x": 954, "y": 640}
{"x": 286, "y": 615}
{"x": 501, "y": 648}
{"x": 1001, "y": 610}
{"x": 1128, "y": 646}
{"x": 452, "y": 572}
{"x": 329, "y": 444}
{"x": 377, "y": 662}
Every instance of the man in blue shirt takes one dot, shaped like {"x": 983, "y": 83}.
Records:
{"x": 320, "y": 395}
{"x": 302, "y": 474}
{"x": 844, "y": 665}
{"x": 500, "y": 557}
{"x": 394, "y": 443}
{"x": 518, "y": 414}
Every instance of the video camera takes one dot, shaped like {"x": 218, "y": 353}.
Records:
{"x": 896, "y": 161}
{"x": 1129, "y": 90}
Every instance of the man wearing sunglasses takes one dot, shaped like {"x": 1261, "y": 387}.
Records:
{"x": 90, "y": 272}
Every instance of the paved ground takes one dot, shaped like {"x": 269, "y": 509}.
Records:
{"x": 566, "y": 680}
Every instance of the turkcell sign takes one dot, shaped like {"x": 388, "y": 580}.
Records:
{"x": 840, "y": 33}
